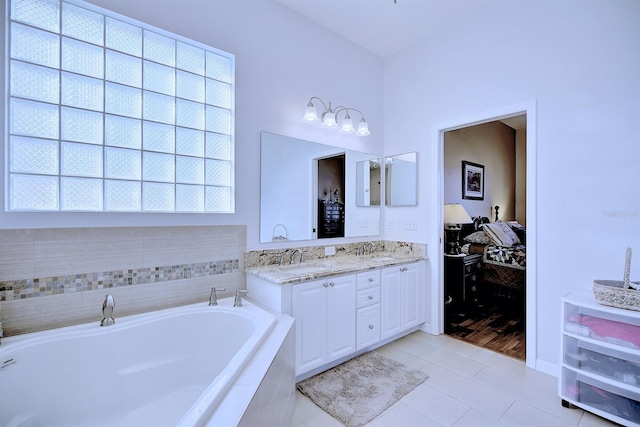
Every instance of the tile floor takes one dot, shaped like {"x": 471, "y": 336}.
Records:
{"x": 467, "y": 386}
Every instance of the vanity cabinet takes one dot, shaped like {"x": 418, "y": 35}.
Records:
{"x": 325, "y": 313}
{"x": 341, "y": 316}
{"x": 402, "y": 296}
{"x": 600, "y": 359}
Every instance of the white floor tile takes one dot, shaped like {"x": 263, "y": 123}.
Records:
{"x": 403, "y": 415}
{"x": 467, "y": 387}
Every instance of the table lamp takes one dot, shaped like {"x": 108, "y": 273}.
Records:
{"x": 454, "y": 215}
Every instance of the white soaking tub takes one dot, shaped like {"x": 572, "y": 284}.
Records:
{"x": 163, "y": 368}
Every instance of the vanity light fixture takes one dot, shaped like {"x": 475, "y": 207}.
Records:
{"x": 329, "y": 118}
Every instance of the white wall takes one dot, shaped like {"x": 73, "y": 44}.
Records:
{"x": 281, "y": 61}
{"x": 579, "y": 61}
{"x": 493, "y": 146}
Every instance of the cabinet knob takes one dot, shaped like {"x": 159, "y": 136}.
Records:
{"x": 325, "y": 284}
{"x": 371, "y": 279}
{"x": 403, "y": 269}
{"x": 331, "y": 284}
{"x": 370, "y": 326}
{"x": 370, "y": 296}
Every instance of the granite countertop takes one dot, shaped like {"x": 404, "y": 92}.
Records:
{"x": 327, "y": 267}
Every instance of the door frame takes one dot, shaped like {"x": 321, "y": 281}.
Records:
{"x": 436, "y": 184}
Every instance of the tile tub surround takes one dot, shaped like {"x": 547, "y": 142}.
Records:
{"x": 344, "y": 262}
{"x": 58, "y": 277}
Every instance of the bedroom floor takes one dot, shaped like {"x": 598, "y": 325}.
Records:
{"x": 467, "y": 386}
{"x": 499, "y": 326}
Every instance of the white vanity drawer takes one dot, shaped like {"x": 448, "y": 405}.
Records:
{"x": 367, "y": 297}
{"x": 368, "y": 279}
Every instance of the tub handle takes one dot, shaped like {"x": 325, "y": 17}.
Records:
{"x": 239, "y": 294}
{"x": 107, "y": 311}
{"x": 213, "y": 298}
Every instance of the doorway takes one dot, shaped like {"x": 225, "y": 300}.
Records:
{"x": 436, "y": 241}
{"x": 485, "y": 179}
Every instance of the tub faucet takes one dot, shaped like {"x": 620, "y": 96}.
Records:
{"x": 107, "y": 311}
{"x": 213, "y": 298}
{"x": 239, "y": 294}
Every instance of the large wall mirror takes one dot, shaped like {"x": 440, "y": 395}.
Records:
{"x": 401, "y": 180}
{"x": 313, "y": 191}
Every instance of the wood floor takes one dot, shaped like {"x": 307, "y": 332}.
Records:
{"x": 498, "y": 326}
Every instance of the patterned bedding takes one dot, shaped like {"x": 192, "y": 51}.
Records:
{"x": 504, "y": 266}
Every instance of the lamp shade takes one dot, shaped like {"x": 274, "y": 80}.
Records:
{"x": 363, "y": 128}
{"x": 347, "y": 125}
{"x": 455, "y": 213}
{"x": 310, "y": 114}
{"x": 329, "y": 119}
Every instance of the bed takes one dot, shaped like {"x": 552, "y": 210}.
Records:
{"x": 504, "y": 254}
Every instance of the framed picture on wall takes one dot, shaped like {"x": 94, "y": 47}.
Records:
{"x": 472, "y": 181}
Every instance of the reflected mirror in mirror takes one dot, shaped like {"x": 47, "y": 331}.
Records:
{"x": 401, "y": 180}
{"x": 289, "y": 199}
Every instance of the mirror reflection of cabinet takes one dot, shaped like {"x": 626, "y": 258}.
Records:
{"x": 331, "y": 212}
{"x": 289, "y": 191}
{"x": 401, "y": 180}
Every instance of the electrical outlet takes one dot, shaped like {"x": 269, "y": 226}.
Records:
{"x": 329, "y": 250}
{"x": 410, "y": 224}
{"x": 390, "y": 225}
{"x": 363, "y": 223}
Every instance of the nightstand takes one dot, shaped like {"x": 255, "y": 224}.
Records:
{"x": 462, "y": 278}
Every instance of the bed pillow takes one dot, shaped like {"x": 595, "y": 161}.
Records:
{"x": 479, "y": 237}
{"x": 501, "y": 234}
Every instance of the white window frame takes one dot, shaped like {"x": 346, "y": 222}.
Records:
{"x": 104, "y": 209}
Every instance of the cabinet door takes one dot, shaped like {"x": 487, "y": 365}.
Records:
{"x": 368, "y": 332}
{"x": 310, "y": 311}
{"x": 341, "y": 316}
{"x": 390, "y": 302}
{"x": 413, "y": 298}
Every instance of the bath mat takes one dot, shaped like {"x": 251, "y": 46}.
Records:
{"x": 362, "y": 388}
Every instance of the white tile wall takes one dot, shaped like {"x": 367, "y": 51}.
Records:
{"x": 45, "y": 253}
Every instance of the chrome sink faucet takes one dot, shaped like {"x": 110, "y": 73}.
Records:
{"x": 213, "y": 298}
{"x": 239, "y": 294}
{"x": 372, "y": 248}
{"x": 107, "y": 311}
{"x": 293, "y": 255}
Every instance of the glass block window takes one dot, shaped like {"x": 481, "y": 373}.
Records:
{"x": 110, "y": 114}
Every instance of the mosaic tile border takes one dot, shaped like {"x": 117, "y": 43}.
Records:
{"x": 67, "y": 284}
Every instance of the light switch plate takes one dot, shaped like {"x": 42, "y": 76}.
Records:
{"x": 410, "y": 224}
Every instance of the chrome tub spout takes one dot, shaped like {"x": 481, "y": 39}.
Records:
{"x": 107, "y": 311}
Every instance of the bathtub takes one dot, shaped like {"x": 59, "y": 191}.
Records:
{"x": 169, "y": 367}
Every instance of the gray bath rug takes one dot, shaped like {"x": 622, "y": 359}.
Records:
{"x": 359, "y": 390}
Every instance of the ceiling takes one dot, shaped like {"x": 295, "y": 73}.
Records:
{"x": 385, "y": 27}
